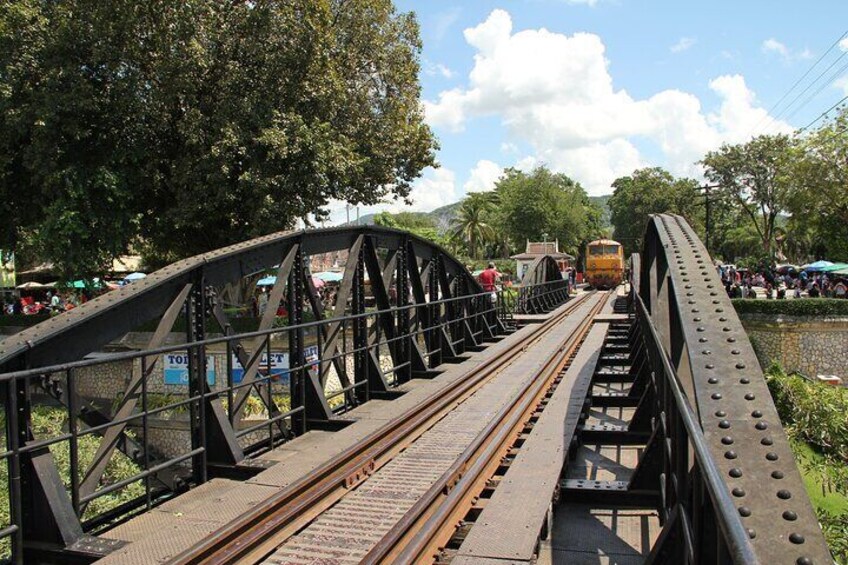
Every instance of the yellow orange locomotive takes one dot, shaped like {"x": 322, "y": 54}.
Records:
{"x": 604, "y": 263}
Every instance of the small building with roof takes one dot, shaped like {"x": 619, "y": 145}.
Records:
{"x": 536, "y": 249}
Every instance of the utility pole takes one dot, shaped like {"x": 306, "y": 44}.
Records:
{"x": 706, "y": 188}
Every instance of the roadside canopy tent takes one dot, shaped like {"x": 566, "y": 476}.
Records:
{"x": 132, "y": 277}
{"x": 835, "y": 267}
{"x": 95, "y": 283}
{"x": 817, "y": 267}
{"x": 329, "y": 276}
{"x": 32, "y": 285}
{"x": 271, "y": 280}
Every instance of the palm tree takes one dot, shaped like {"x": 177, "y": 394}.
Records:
{"x": 471, "y": 222}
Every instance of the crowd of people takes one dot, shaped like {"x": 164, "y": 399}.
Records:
{"x": 742, "y": 283}
{"x": 52, "y": 302}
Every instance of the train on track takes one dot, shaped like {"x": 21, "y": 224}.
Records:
{"x": 604, "y": 263}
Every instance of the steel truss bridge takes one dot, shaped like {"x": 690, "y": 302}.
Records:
{"x": 202, "y": 394}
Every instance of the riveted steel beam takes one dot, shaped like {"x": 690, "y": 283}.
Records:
{"x": 719, "y": 373}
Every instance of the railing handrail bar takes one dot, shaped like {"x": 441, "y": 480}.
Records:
{"x": 727, "y": 515}
{"x": 124, "y": 356}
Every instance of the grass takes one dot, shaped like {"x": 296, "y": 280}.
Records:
{"x": 818, "y": 485}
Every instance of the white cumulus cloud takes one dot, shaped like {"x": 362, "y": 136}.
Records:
{"x": 484, "y": 175}
{"x": 438, "y": 69}
{"x": 772, "y": 45}
{"x": 555, "y": 92}
{"x": 683, "y": 44}
{"x": 436, "y": 188}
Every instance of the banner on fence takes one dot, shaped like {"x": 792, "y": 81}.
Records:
{"x": 176, "y": 369}
{"x": 279, "y": 365}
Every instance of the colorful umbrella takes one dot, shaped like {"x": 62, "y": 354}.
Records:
{"x": 329, "y": 276}
{"x": 817, "y": 266}
{"x": 271, "y": 280}
{"x": 835, "y": 267}
{"x": 32, "y": 285}
{"x": 132, "y": 277}
{"x": 82, "y": 283}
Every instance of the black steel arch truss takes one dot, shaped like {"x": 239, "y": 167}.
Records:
{"x": 427, "y": 309}
{"x": 740, "y": 457}
{"x": 542, "y": 288}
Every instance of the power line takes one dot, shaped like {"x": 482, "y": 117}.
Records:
{"x": 824, "y": 85}
{"x": 797, "y": 82}
{"x": 809, "y": 86}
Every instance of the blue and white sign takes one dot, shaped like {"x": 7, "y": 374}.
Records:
{"x": 176, "y": 369}
{"x": 279, "y": 365}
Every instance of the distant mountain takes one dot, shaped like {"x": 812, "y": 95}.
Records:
{"x": 442, "y": 216}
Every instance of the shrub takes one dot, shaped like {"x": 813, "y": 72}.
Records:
{"x": 801, "y": 307}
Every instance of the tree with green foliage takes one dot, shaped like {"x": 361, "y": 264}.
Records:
{"x": 650, "y": 191}
{"x": 472, "y": 223}
{"x": 185, "y": 126}
{"x": 541, "y": 203}
{"x": 755, "y": 177}
{"x": 818, "y": 202}
{"x": 417, "y": 223}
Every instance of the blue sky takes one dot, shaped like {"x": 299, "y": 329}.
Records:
{"x": 597, "y": 88}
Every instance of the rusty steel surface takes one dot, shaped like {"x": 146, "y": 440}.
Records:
{"x": 431, "y": 522}
{"x": 248, "y": 537}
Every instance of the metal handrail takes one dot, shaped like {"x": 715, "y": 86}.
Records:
{"x": 729, "y": 522}
{"x": 124, "y": 356}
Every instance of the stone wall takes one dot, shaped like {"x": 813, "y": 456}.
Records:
{"x": 809, "y": 344}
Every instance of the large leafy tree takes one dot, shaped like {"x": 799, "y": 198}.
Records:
{"x": 650, "y": 191}
{"x": 184, "y": 126}
{"x": 754, "y": 176}
{"x": 472, "y": 223}
{"x": 543, "y": 203}
{"x": 818, "y": 202}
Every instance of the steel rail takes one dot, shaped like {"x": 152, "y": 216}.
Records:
{"x": 257, "y": 532}
{"x": 431, "y": 522}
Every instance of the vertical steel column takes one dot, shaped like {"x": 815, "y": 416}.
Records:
{"x": 47, "y": 514}
{"x": 195, "y": 312}
{"x": 360, "y": 327}
{"x": 404, "y": 343}
{"x": 301, "y": 393}
{"x": 434, "y": 332}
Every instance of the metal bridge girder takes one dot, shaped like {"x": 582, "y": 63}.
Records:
{"x": 719, "y": 373}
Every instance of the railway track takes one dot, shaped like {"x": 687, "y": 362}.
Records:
{"x": 403, "y": 492}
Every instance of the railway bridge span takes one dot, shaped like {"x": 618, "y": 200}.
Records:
{"x": 407, "y": 416}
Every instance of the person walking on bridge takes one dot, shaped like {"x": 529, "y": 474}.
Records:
{"x": 489, "y": 277}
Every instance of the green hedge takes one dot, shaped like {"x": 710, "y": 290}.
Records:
{"x": 793, "y": 307}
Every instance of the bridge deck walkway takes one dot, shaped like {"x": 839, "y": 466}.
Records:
{"x": 172, "y": 527}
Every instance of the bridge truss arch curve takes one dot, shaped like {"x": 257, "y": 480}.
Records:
{"x": 403, "y": 305}
{"x": 542, "y": 287}
{"x": 731, "y": 489}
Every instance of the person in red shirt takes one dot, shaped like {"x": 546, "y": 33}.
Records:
{"x": 489, "y": 277}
